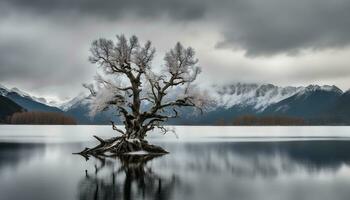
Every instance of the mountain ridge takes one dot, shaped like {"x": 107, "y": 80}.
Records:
{"x": 233, "y": 100}
{"x": 26, "y": 101}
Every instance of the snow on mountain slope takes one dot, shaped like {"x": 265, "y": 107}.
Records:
{"x": 21, "y": 93}
{"x": 257, "y": 96}
{"x": 3, "y": 88}
{"x": 231, "y": 100}
{"x": 312, "y": 102}
{"x": 312, "y": 88}
{"x": 24, "y": 94}
{"x": 81, "y": 99}
{"x": 4, "y": 91}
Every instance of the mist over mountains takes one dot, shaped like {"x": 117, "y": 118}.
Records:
{"x": 314, "y": 104}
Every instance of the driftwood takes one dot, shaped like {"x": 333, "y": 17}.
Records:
{"x": 120, "y": 145}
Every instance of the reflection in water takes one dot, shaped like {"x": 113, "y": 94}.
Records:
{"x": 266, "y": 158}
{"x": 204, "y": 170}
{"x": 125, "y": 177}
{"x": 11, "y": 154}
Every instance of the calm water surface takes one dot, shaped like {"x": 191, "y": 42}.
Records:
{"x": 265, "y": 163}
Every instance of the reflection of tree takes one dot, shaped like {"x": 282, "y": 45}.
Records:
{"x": 125, "y": 177}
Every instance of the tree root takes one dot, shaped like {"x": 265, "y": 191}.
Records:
{"x": 120, "y": 145}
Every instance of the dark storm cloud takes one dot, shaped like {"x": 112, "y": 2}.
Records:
{"x": 44, "y": 43}
{"x": 33, "y": 65}
{"x": 112, "y": 9}
{"x": 282, "y": 26}
{"x": 258, "y": 27}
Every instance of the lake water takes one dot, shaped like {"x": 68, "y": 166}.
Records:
{"x": 243, "y": 163}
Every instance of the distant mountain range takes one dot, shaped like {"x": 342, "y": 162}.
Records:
{"x": 26, "y": 101}
{"x": 77, "y": 107}
{"x": 314, "y": 103}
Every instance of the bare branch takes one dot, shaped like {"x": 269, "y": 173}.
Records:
{"x": 117, "y": 129}
{"x": 136, "y": 85}
{"x": 90, "y": 87}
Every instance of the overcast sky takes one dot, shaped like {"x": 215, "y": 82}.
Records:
{"x": 44, "y": 45}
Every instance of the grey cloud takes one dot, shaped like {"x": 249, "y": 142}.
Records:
{"x": 113, "y": 9}
{"x": 39, "y": 64}
{"x": 42, "y": 50}
{"x": 261, "y": 28}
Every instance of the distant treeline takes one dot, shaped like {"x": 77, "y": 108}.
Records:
{"x": 40, "y": 118}
{"x": 251, "y": 120}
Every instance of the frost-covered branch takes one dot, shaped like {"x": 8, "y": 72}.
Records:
{"x": 143, "y": 98}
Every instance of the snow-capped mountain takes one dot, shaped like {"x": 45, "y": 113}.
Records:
{"x": 235, "y": 100}
{"x": 76, "y": 101}
{"x": 259, "y": 97}
{"x": 27, "y": 101}
{"x": 242, "y": 99}
{"x": 314, "y": 88}
{"x": 311, "y": 102}
{"x": 4, "y": 91}
{"x": 256, "y": 96}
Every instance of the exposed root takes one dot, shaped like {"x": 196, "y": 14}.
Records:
{"x": 119, "y": 146}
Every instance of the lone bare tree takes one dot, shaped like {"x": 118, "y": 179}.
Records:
{"x": 143, "y": 96}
